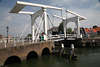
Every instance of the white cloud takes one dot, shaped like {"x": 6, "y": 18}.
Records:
{"x": 15, "y": 22}
{"x": 7, "y": 19}
{"x": 83, "y": 7}
{"x": 97, "y": 5}
{"x": 92, "y": 17}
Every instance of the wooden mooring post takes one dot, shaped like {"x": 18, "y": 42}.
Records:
{"x": 91, "y": 42}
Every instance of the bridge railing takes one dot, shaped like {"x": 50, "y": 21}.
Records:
{"x": 71, "y": 35}
{"x": 15, "y": 41}
{"x": 61, "y": 37}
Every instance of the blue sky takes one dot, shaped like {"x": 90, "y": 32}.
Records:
{"x": 17, "y": 22}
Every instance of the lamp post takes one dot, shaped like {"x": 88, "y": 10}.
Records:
{"x": 7, "y": 28}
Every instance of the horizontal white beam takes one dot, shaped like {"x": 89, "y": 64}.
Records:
{"x": 26, "y": 12}
{"x": 72, "y": 19}
{"x": 20, "y": 5}
{"x": 37, "y": 5}
{"x": 58, "y": 16}
{"x": 81, "y": 17}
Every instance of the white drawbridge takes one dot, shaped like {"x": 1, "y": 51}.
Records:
{"x": 42, "y": 14}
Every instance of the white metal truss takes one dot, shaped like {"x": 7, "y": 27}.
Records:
{"x": 20, "y": 5}
{"x": 38, "y": 27}
{"x": 75, "y": 19}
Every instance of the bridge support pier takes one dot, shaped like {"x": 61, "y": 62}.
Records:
{"x": 78, "y": 27}
{"x": 22, "y": 52}
{"x": 32, "y": 28}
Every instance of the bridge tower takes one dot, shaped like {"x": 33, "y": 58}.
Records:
{"x": 76, "y": 20}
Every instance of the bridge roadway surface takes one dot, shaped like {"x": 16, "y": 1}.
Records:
{"x": 24, "y": 51}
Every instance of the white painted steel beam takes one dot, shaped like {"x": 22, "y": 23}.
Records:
{"x": 59, "y": 17}
{"x": 69, "y": 19}
{"x": 33, "y": 18}
{"x": 80, "y": 17}
{"x": 26, "y": 12}
{"x": 20, "y": 5}
{"x": 45, "y": 24}
{"x": 37, "y": 5}
{"x": 32, "y": 29}
{"x": 78, "y": 27}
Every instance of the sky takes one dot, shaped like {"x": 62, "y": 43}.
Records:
{"x": 19, "y": 23}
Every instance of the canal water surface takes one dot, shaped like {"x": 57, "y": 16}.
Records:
{"x": 87, "y": 57}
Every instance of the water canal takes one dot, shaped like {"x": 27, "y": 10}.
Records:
{"x": 87, "y": 57}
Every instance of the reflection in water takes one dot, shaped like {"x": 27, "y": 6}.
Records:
{"x": 86, "y": 58}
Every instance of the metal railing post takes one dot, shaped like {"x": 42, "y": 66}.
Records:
{"x": 5, "y": 43}
{"x": 14, "y": 42}
{"x": 23, "y": 41}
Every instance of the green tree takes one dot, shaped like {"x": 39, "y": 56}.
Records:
{"x": 29, "y": 36}
{"x": 69, "y": 30}
{"x": 61, "y": 29}
{"x": 95, "y": 26}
